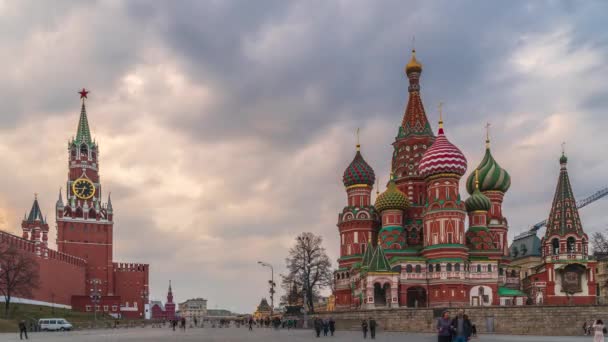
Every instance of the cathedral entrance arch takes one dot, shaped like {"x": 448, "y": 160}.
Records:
{"x": 380, "y": 293}
{"x": 416, "y": 297}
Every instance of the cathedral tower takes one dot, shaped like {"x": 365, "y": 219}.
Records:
{"x": 36, "y": 229}
{"x": 414, "y": 137}
{"x": 84, "y": 223}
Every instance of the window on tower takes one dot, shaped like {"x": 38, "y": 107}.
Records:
{"x": 73, "y": 153}
{"x": 84, "y": 151}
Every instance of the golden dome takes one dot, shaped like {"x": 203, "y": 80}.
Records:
{"x": 413, "y": 65}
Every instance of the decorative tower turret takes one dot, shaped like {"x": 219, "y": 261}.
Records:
{"x": 478, "y": 236}
{"x": 570, "y": 275}
{"x": 494, "y": 182}
{"x": 35, "y": 228}
{"x": 358, "y": 220}
{"x": 414, "y": 137}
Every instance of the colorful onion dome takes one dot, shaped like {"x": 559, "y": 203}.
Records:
{"x": 358, "y": 172}
{"x": 477, "y": 201}
{"x": 491, "y": 176}
{"x": 442, "y": 157}
{"x": 413, "y": 65}
{"x": 392, "y": 198}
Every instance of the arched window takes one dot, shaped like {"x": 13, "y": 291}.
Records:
{"x": 513, "y": 274}
{"x": 418, "y": 269}
{"x": 84, "y": 151}
{"x": 501, "y": 271}
{"x": 430, "y": 268}
{"x": 438, "y": 268}
{"x": 478, "y": 268}
{"x": 457, "y": 267}
{"x": 408, "y": 268}
{"x": 489, "y": 268}
{"x": 73, "y": 152}
{"x": 448, "y": 267}
{"x": 555, "y": 245}
{"x": 570, "y": 244}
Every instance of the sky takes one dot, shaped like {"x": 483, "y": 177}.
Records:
{"x": 224, "y": 127}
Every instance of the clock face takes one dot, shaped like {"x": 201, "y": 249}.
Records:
{"x": 83, "y": 188}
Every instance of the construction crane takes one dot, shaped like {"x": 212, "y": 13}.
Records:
{"x": 579, "y": 204}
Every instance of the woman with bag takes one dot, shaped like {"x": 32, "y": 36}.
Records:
{"x": 599, "y": 331}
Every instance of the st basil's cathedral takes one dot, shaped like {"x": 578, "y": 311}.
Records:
{"x": 411, "y": 247}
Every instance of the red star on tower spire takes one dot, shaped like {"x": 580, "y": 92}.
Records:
{"x": 83, "y": 93}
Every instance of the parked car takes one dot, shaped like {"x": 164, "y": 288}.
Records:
{"x": 54, "y": 324}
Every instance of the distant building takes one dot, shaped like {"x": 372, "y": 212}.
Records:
{"x": 602, "y": 277}
{"x": 264, "y": 310}
{"x": 193, "y": 308}
{"x": 163, "y": 312}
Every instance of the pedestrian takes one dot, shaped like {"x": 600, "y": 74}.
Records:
{"x": 325, "y": 327}
{"x": 473, "y": 330}
{"x": 600, "y": 330}
{"x": 444, "y": 332}
{"x": 250, "y": 324}
{"x": 372, "y": 328}
{"x": 174, "y": 324}
{"x": 318, "y": 325}
{"x": 332, "y": 326}
{"x": 461, "y": 327}
{"x": 22, "y": 330}
{"x": 364, "y": 328}
{"x": 184, "y": 323}
{"x": 195, "y": 322}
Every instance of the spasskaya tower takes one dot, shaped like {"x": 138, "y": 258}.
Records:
{"x": 84, "y": 222}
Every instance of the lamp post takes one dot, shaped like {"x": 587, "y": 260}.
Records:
{"x": 95, "y": 296}
{"x": 272, "y": 284}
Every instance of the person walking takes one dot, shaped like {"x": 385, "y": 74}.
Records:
{"x": 184, "y": 323}
{"x": 461, "y": 327}
{"x": 22, "y": 330}
{"x": 250, "y": 324}
{"x": 332, "y": 326}
{"x": 318, "y": 325}
{"x": 444, "y": 331}
{"x": 599, "y": 330}
{"x": 364, "y": 328}
{"x": 325, "y": 327}
{"x": 372, "y": 328}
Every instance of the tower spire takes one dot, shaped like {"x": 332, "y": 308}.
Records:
{"x": 358, "y": 143}
{"x": 487, "y": 135}
{"x": 440, "y": 117}
{"x": 414, "y": 119}
{"x": 83, "y": 133}
{"x": 563, "y": 218}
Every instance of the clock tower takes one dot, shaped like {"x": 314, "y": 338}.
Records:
{"x": 84, "y": 222}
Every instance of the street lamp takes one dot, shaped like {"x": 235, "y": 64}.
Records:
{"x": 272, "y": 284}
{"x": 95, "y": 296}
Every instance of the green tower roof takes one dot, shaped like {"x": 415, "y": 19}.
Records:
{"x": 379, "y": 262}
{"x": 491, "y": 176}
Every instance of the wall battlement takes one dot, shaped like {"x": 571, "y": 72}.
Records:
{"x": 130, "y": 267}
{"x": 30, "y": 246}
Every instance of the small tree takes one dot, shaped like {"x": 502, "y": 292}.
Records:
{"x": 308, "y": 266}
{"x": 18, "y": 274}
{"x": 599, "y": 241}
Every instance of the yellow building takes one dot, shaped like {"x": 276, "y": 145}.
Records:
{"x": 264, "y": 310}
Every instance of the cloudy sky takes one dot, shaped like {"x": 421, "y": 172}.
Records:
{"x": 224, "y": 127}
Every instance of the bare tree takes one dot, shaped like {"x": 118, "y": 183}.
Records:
{"x": 599, "y": 241}
{"x": 18, "y": 274}
{"x": 309, "y": 267}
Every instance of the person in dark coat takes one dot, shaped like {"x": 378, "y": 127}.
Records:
{"x": 250, "y": 324}
{"x": 332, "y": 326}
{"x": 364, "y": 328}
{"x": 461, "y": 327}
{"x": 372, "y": 328}
{"x": 318, "y": 325}
{"x": 444, "y": 330}
{"x": 325, "y": 327}
{"x": 22, "y": 330}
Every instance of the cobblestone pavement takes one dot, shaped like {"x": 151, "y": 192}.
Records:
{"x": 258, "y": 335}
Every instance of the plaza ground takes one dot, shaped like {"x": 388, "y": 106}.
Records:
{"x": 242, "y": 334}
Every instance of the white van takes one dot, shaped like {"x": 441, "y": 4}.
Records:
{"x": 54, "y": 324}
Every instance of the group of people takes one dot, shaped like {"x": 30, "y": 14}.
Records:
{"x": 458, "y": 329}
{"x": 325, "y": 325}
{"x": 371, "y": 325}
{"x": 595, "y": 328}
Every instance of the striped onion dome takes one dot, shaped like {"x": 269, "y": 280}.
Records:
{"x": 358, "y": 172}
{"x": 478, "y": 202}
{"x": 442, "y": 157}
{"x": 491, "y": 176}
{"x": 392, "y": 198}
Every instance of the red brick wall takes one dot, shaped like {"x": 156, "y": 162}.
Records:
{"x": 131, "y": 282}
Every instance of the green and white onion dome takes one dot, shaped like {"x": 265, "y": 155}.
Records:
{"x": 492, "y": 177}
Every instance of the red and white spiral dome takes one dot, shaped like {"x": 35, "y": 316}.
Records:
{"x": 442, "y": 157}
